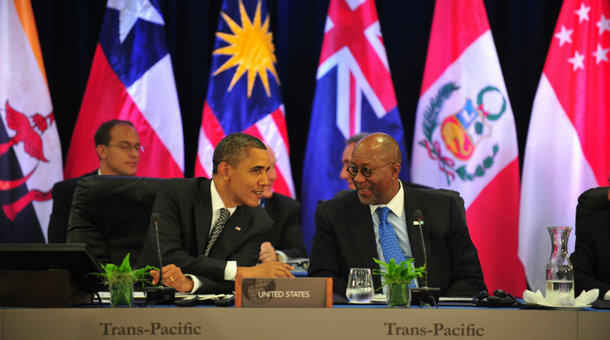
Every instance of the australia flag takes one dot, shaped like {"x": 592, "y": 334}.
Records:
{"x": 354, "y": 93}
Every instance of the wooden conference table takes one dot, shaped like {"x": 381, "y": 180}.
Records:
{"x": 341, "y": 322}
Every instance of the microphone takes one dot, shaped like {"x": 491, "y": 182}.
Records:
{"x": 419, "y": 221}
{"x": 424, "y": 295}
{"x": 159, "y": 294}
{"x": 156, "y": 224}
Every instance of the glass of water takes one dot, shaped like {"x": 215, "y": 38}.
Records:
{"x": 359, "y": 285}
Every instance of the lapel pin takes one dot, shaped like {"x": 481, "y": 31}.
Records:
{"x": 238, "y": 228}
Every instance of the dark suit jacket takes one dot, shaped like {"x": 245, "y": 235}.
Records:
{"x": 285, "y": 234}
{"x": 345, "y": 239}
{"x": 591, "y": 257}
{"x": 184, "y": 208}
{"x": 62, "y": 203}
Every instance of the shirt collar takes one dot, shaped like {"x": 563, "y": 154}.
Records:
{"x": 217, "y": 202}
{"x": 396, "y": 204}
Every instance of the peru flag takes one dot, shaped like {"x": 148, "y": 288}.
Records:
{"x": 131, "y": 79}
{"x": 568, "y": 142}
{"x": 244, "y": 89}
{"x": 30, "y": 153}
{"x": 465, "y": 137}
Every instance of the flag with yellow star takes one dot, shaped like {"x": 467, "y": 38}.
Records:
{"x": 244, "y": 89}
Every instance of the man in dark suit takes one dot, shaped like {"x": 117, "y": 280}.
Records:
{"x": 591, "y": 257}
{"x": 212, "y": 229}
{"x": 118, "y": 148}
{"x": 285, "y": 239}
{"x": 375, "y": 221}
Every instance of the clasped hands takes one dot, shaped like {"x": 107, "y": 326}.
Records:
{"x": 173, "y": 276}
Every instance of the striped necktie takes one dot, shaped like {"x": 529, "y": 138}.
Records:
{"x": 218, "y": 227}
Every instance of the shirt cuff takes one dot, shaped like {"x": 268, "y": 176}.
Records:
{"x": 196, "y": 283}
{"x": 231, "y": 270}
{"x": 281, "y": 256}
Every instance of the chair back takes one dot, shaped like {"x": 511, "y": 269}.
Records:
{"x": 111, "y": 214}
{"x": 592, "y": 201}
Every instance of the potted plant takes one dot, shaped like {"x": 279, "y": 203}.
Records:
{"x": 121, "y": 279}
{"x": 398, "y": 277}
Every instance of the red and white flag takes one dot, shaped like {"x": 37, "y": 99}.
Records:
{"x": 465, "y": 137}
{"x": 131, "y": 79}
{"x": 30, "y": 152}
{"x": 568, "y": 142}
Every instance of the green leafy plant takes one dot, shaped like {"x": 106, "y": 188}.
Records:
{"x": 121, "y": 279}
{"x": 395, "y": 274}
{"x": 123, "y": 274}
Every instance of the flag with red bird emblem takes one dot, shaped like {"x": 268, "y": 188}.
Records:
{"x": 30, "y": 152}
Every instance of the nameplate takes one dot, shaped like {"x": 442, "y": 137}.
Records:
{"x": 284, "y": 292}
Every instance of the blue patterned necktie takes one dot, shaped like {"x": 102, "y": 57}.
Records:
{"x": 388, "y": 240}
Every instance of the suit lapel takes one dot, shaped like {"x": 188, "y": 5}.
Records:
{"x": 411, "y": 204}
{"x": 203, "y": 214}
{"x": 359, "y": 224}
{"x": 234, "y": 230}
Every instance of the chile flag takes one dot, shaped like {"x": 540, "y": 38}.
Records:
{"x": 132, "y": 79}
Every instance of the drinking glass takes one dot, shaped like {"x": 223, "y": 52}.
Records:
{"x": 359, "y": 285}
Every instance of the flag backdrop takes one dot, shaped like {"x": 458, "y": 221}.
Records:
{"x": 568, "y": 141}
{"x": 131, "y": 79}
{"x": 465, "y": 137}
{"x": 244, "y": 89}
{"x": 30, "y": 152}
{"x": 354, "y": 93}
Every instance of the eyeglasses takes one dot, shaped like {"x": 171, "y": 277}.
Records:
{"x": 352, "y": 170}
{"x": 127, "y": 147}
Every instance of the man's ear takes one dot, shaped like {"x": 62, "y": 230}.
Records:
{"x": 101, "y": 151}
{"x": 396, "y": 170}
{"x": 224, "y": 170}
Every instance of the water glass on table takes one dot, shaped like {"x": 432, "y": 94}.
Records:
{"x": 359, "y": 285}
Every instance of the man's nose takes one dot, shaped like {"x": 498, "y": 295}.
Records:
{"x": 264, "y": 180}
{"x": 359, "y": 178}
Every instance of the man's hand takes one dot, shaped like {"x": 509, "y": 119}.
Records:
{"x": 268, "y": 269}
{"x": 173, "y": 277}
{"x": 267, "y": 253}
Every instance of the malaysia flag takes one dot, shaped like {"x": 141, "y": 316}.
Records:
{"x": 244, "y": 89}
{"x": 131, "y": 79}
{"x": 568, "y": 141}
{"x": 30, "y": 152}
{"x": 354, "y": 93}
{"x": 465, "y": 137}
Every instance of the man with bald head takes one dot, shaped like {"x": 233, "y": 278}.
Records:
{"x": 376, "y": 221}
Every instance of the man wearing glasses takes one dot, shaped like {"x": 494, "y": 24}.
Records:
{"x": 376, "y": 221}
{"x": 118, "y": 148}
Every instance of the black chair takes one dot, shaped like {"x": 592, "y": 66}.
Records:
{"x": 111, "y": 214}
{"x": 592, "y": 201}
{"x": 592, "y": 251}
